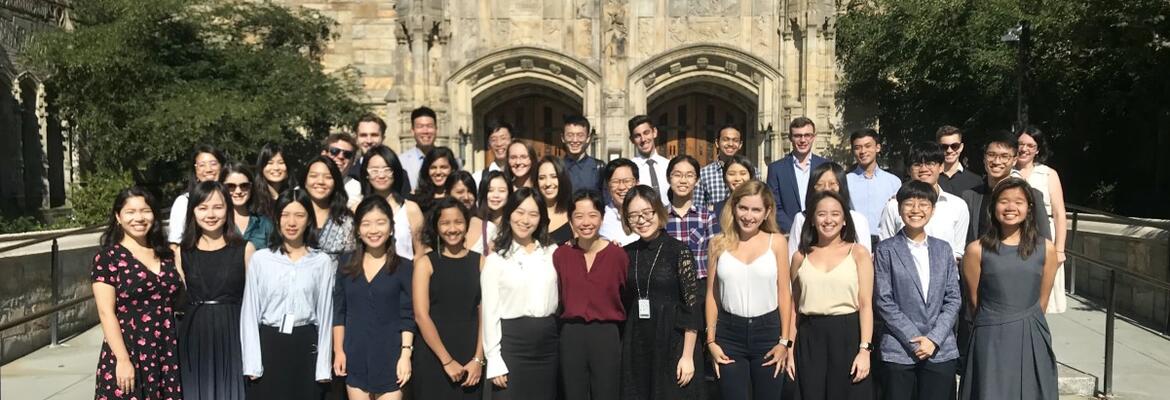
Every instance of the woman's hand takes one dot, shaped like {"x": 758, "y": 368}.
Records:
{"x": 124, "y": 375}
{"x": 718, "y": 357}
{"x": 338, "y": 362}
{"x": 453, "y": 370}
{"x": 472, "y": 373}
{"x": 685, "y": 371}
{"x": 501, "y": 381}
{"x": 403, "y": 369}
{"x": 777, "y": 356}
{"x": 790, "y": 365}
{"x": 860, "y": 368}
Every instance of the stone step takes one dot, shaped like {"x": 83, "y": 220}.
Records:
{"x": 1075, "y": 383}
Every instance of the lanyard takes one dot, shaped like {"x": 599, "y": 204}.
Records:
{"x": 638, "y": 285}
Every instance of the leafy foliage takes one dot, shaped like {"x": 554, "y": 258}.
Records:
{"x": 92, "y": 200}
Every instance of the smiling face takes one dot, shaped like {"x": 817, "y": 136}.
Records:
{"x": 865, "y": 149}
{"x": 750, "y": 214}
{"x": 683, "y": 179}
{"x": 926, "y": 172}
{"x": 498, "y": 141}
{"x": 525, "y": 219}
{"x": 211, "y": 213}
{"x": 463, "y": 194}
{"x": 497, "y": 194}
{"x": 998, "y": 161}
{"x": 206, "y": 167}
{"x": 829, "y": 219}
{"x": 642, "y": 218}
{"x": 423, "y": 129}
{"x": 915, "y": 212}
{"x": 735, "y": 175}
{"x": 619, "y": 184}
{"x": 275, "y": 170}
{"x": 319, "y": 182}
{"x": 518, "y": 159}
{"x": 369, "y": 134}
{"x": 239, "y": 186}
{"x": 1011, "y": 207}
{"x": 439, "y": 171}
{"x": 827, "y": 182}
{"x": 1028, "y": 149}
{"x": 644, "y": 137}
{"x": 802, "y": 139}
{"x": 546, "y": 181}
{"x": 379, "y": 174}
{"x": 952, "y": 148}
{"x": 135, "y": 218}
{"x": 575, "y": 138}
{"x": 294, "y": 219}
{"x": 452, "y": 226}
{"x": 586, "y": 220}
{"x": 375, "y": 228}
{"x": 730, "y": 141}
{"x": 341, "y": 152}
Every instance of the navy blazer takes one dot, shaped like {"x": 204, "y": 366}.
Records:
{"x": 898, "y": 300}
{"x": 782, "y": 181}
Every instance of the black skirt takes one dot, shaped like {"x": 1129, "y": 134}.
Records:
{"x": 529, "y": 348}
{"x": 209, "y": 352}
{"x": 825, "y": 348}
{"x": 290, "y": 363}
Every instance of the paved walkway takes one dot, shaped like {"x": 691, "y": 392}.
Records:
{"x": 1142, "y": 363}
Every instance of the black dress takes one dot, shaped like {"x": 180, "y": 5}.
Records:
{"x": 209, "y": 335}
{"x": 454, "y": 308}
{"x": 651, "y": 347}
{"x": 562, "y": 234}
{"x": 374, "y": 313}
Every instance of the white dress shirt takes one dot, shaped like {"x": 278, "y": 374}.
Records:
{"x": 920, "y": 252}
{"x": 611, "y": 227}
{"x": 178, "y": 219}
{"x": 353, "y": 190}
{"x": 948, "y": 223}
{"x": 478, "y": 175}
{"x": 522, "y": 284}
{"x": 801, "y": 173}
{"x": 644, "y": 176}
{"x": 412, "y": 161}
{"x": 860, "y": 225}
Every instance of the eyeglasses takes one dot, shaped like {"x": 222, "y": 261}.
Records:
{"x": 622, "y": 182}
{"x": 1028, "y": 146}
{"x": 802, "y": 135}
{"x": 346, "y": 154}
{"x": 687, "y": 176}
{"x": 244, "y": 187}
{"x": 1001, "y": 157}
{"x": 952, "y": 147}
{"x": 644, "y": 215}
{"x": 380, "y": 171}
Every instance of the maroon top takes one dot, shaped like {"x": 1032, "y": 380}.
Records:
{"x": 594, "y": 295}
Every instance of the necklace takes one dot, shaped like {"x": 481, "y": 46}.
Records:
{"x": 637, "y": 284}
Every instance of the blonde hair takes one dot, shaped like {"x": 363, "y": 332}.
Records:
{"x": 729, "y": 238}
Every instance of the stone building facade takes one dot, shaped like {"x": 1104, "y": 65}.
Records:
{"x": 691, "y": 65}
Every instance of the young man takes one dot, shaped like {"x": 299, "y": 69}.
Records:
{"x": 499, "y": 137}
{"x": 870, "y": 187}
{"x": 788, "y": 177}
{"x": 370, "y": 131}
{"x": 999, "y": 160}
{"x": 954, "y": 178}
{"x": 712, "y": 189}
{"x": 950, "y": 212}
{"x": 916, "y": 294}
{"x": 583, "y": 170}
{"x": 651, "y": 166}
{"x": 620, "y": 176}
{"x": 341, "y": 148}
{"x": 423, "y": 127}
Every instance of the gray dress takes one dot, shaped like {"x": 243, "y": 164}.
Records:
{"x": 1010, "y": 352}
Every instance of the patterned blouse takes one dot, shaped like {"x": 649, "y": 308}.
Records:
{"x": 336, "y": 238}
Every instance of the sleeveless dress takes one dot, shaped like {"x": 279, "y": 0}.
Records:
{"x": 374, "y": 313}
{"x": 1039, "y": 180}
{"x": 454, "y": 301}
{"x": 1010, "y": 354}
{"x": 209, "y": 335}
{"x": 145, "y": 309}
{"x": 562, "y": 234}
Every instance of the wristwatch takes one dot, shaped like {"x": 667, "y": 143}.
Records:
{"x": 785, "y": 342}
{"x": 478, "y": 360}
{"x": 865, "y": 346}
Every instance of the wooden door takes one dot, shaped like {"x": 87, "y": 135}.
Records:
{"x": 689, "y": 124}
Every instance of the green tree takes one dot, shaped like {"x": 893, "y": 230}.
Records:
{"x": 144, "y": 82}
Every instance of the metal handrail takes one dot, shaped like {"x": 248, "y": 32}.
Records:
{"x": 44, "y": 313}
{"x": 1128, "y": 220}
{"x": 55, "y": 236}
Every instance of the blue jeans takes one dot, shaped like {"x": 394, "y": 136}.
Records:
{"x": 747, "y": 340}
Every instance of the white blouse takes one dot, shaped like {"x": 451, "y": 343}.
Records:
{"x": 522, "y": 284}
{"x": 748, "y": 289}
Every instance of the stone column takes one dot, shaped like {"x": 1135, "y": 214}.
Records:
{"x": 614, "y": 69}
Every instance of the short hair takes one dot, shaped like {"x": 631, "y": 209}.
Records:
{"x": 838, "y": 172}
{"x": 809, "y": 235}
{"x": 578, "y": 120}
{"x": 400, "y": 182}
{"x": 430, "y": 233}
{"x": 504, "y": 236}
{"x": 339, "y": 137}
{"x": 593, "y": 196}
{"x": 612, "y": 166}
{"x": 947, "y": 130}
{"x": 423, "y": 111}
{"x": 564, "y": 184}
{"x": 925, "y": 153}
{"x": 1042, "y": 150}
{"x": 639, "y": 120}
{"x": 220, "y": 158}
{"x": 276, "y": 241}
{"x": 650, "y": 196}
{"x": 680, "y": 159}
{"x": 862, "y": 133}
{"x": 496, "y": 125}
{"x": 800, "y": 122}
{"x": 1003, "y": 138}
{"x": 191, "y": 231}
{"x": 915, "y": 189}
{"x": 371, "y": 117}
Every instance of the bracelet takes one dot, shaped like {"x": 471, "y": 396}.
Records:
{"x": 709, "y": 342}
{"x": 410, "y": 347}
{"x": 479, "y": 361}
{"x": 448, "y": 362}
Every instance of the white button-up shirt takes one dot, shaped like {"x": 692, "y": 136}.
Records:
{"x": 523, "y": 284}
{"x": 920, "y": 252}
{"x": 644, "y": 175}
{"x": 870, "y": 194}
{"x": 801, "y": 173}
{"x": 949, "y": 222}
{"x": 611, "y": 227}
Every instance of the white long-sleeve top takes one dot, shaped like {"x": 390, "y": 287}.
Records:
{"x": 522, "y": 284}
{"x": 276, "y": 286}
{"x": 178, "y": 220}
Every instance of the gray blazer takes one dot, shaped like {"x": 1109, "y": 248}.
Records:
{"x": 898, "y": 299}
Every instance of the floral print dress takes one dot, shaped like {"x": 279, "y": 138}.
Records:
{"x": 144, "y": 306}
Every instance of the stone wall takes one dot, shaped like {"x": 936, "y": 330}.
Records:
{"x": 1142, "y": 250}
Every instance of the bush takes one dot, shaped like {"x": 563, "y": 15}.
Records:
{"x": 93, "y": 198}
{"x": 19, "y": 224}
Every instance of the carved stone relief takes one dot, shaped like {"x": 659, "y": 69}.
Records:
{"x": 616, "y": 30}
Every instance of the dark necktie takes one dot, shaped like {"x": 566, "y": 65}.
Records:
{"x": 653, "y": 175}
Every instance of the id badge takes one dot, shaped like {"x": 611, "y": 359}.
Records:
{"x": 644, "y": 308}
{"x": 286, "y": 324}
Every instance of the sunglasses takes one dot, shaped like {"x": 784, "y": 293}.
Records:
{"x": 347, "y": 154}
{"x": 952, "y": 146}
{"x": 231, "y": 187}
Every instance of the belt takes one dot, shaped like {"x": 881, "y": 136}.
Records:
{"x": 213, "y": 303}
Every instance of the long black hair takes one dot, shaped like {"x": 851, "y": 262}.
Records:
{"x": 425, "y": 184}
{"x": 485, "y": 212}
{"x": 564, "y": 184}
{"x": 842, "y": 183}
{"x": 338, "y": 199}
{"x": 993, "y": 238}
{"x": 276, "y": 241}
{"x": 254, "y": 193}
{"x": 740, "y": 160}
{"x": 155, "y": 239}
{"x": 399, "y": 182}
{"x": 467, "y": 180}
{"x": 679, "y": 160}
{"x": 503, "y": 243}
{"x": 809, "y": 235}
{"x": 266, "y": 203}
{"x": 353, "y": 267}
{"x": 192, "y": 232}
{"x": 1042, "y": 150}
{"x": 430, "y": 234}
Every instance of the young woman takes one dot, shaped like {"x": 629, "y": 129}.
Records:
{"x": 660, "y": 347}
{"x": 384, "y": 177}
{"x": 271, "y": 177}
{"x": 557, "y": 189}
{"x": 446, "y": 306}
{"x": 736, "y": 170}
{"x": 493, "y": 196}
{"x": 521, "y": 157}
{"x": 135, "y": 283}
{"x": 1032, "y": 155}
{"x": 685, "y": 222}
{"x": 591, "y": 274}
{"x": 1009, "y": 273}
{"x": 748, "y": 303}
{"x": 461, "y": 187}
{"x": 830, "y": 176}
{"x": 287, "y": 310}
{"x": 208, "y": 161}
{"x": 438, "y": 165}
{"x": 253, "y": 226}
{"x": 334, "y": 221}
{"x": 212, "y": 259}
{"x": 832, "y": 278}
{"x": 519, "y": 288}
{"x": 373, "y": 320}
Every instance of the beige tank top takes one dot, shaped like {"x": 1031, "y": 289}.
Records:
{"x": 828, "y": 293}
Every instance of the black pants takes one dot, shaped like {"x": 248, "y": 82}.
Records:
{"x": 825, "y": 348}
{"x": 290, "y": 365}
{"x": 529, "y": 349}
{"x": 922, "y": 381}
{"x": 746, "y": 341}
{"x": 591, "y": 360}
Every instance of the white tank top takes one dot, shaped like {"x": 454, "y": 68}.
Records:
{"x": 747, "y": 290}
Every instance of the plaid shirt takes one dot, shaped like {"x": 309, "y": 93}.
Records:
{"x": 712, "y": 188}
{"x": 693, "y": 230}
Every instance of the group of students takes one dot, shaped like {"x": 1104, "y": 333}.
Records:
{"x": 641, "y": 278}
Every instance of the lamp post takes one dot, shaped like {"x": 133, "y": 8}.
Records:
{"x": 768, "y": 140}
{"x": 1020, "y": 35}
{"x": 464, "y": 138}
